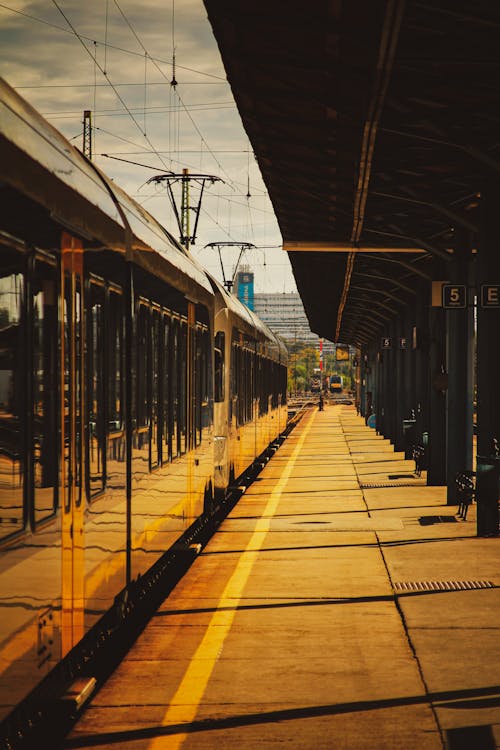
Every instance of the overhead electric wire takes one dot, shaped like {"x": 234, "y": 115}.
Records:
{"x": 106, "y": 76}
{"x": 118, "y": 85}
{"x": 262, "y": 191}
{"x": 65, "y": 114}
{"x": 81, "y": 37}
{"x": 139, "y": 41}
{"x": 109, "y": 46}
{"x": 129, "y": 111}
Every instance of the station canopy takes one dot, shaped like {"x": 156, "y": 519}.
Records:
{"x": 375, "y": 125}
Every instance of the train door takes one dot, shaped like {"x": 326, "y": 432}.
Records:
{"x": 71, "y": 438}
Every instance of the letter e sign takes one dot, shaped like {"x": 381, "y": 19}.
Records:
{"x": 490, "y": 295}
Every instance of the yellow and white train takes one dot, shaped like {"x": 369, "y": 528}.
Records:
{"x": 133, "y": 391}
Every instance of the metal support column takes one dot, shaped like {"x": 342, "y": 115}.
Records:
{"x": 488, "y": 392}
{"x": 459, "y": 359}
{"x": 380, "y": 365}
{"x": 436, "y": 463}
{"x": 408, "y": 398}
{"x": 410, "y": 375}
{"x": 391, "y": 384}
{"x": 362, "y": 384}
{"x": 420, "y": 342}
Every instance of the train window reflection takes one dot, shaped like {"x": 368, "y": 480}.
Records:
{"x": 198, "y": 384}
{"x": 44, "y": 390}
{"x": 219, "y": 366}
{"x": 11, "y": 390}
{"x": 95, "y": 401}
{"x": 155, "y": 387}
{"x": 142, "y": 431}
{"x": 182, "y": 372}
{"x": 115, "y": 362}
{"x": 115, "y": 383}
{"x": 174, "y": 393}
{"x": 167, "y": 445}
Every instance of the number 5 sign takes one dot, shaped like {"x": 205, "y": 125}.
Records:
{"x": 454, "y": 295}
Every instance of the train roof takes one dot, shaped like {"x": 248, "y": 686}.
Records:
{"x": 40, "y": 163}
{"x": 252, "y": 322}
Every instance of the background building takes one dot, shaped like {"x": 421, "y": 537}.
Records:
{"x": 284, "y": 314}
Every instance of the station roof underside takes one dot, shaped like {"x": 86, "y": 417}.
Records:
{"x": 375, "y": 125}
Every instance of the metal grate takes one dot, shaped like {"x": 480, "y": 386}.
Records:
{"x": 401, "y": 476}
{"x": 441, "y": 585}
{"x": 382, "y": 485}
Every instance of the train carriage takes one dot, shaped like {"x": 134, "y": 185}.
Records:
{"x": 250, "y": 402}
{"x": 110, "y": 350}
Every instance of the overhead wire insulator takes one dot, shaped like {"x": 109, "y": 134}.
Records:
{"x": 87, "y": 134}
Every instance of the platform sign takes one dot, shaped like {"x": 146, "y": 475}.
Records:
{"x": 490, "y": 295}
{"x": 454, "y": 296}
{"x": 403, "y": 342}
{"x": 386, "y": 342}
{"x": 245, "y": 289}
{"x": 341, "y": 353}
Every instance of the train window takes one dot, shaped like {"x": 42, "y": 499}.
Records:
{"x": 166, "y": 413}
{"x": 71, "y": 363}
{"x": 248, "y": 384}
{"x": 237, "y": 395}
{"x": 205, "y": 380}
{"x": 142, "y": 432}
{"x": 174, "y": 387}
{"x": 198, "y": 383}
{"x": 115, "y": 379}
{"x": 182, "y": 374}
{"x": 261, "y": 384}
{"x": 95, "y": 389}
{"x": 12, "y": 352}
{"x": 201, "y": 404}
{"x": 267, "y": 384}
{"x": 115, "y": 352}
{"x": 45, "y": 469}
{"x": 155, "y": 359}
{"x": 79, "y": 387}
{"x": 232, "y": 383}
{"x": 240, "y": 389}
{"x": 220, "y": 346}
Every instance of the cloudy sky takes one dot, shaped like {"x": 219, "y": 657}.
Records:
{"x": 115, "y": 57}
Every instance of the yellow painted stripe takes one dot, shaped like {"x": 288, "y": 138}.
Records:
{"x": 184, "y": 705}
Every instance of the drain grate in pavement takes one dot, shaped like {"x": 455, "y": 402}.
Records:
{"x": 441, "y": 585}
{"x": 382, "y": 485}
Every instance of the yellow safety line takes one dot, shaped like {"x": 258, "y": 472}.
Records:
{"x": 184, "y": 705}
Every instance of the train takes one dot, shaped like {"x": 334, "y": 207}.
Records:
{"x": 316, "y": 384}
{"x": 336, "y": 384}
{"x": 134, "y": 391}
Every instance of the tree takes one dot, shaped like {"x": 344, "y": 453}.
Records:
{"x": 300, "y": 368}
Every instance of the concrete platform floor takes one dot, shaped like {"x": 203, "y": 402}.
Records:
{"x": 301, "y": 624}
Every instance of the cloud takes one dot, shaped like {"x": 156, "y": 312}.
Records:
{"x": 119, "y": 65}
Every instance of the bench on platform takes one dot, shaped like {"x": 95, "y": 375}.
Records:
{"x": 465, "y": 487}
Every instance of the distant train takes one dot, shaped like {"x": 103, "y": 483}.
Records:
{"x": 316, "y": 381}
{"x": 133, "y": 391}
{"x": 336, "y": 384}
